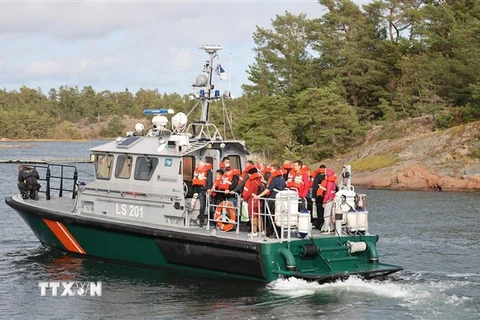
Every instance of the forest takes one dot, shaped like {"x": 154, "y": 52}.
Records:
{"x": 316, "y": 85}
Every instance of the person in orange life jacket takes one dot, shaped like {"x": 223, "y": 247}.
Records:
{"x": 201, "y": 182}
{"x": 286, "y": 168}
{"x": 318, "y": 189}
{"x": 266, "y": 171}
{"x": 216, "y": 198}
{"x": 298, "y": 181}
{"x": 225, "y": 163}
{"x": 251, "y": 188}
{"x": 229, "y": 181}
{"x": 306, "y": 170}
{"x": 328, "y": 197}
{"x": 275, "y": 183}
{"x": 244, "y": 177}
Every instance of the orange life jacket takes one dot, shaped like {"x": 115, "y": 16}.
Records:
{"x": 322, "y": 187}
{"x": 200, "y": 175}
{"x": 329, "y": 176}
{"x": 295, "y": 181}
{"x": 227, "y": 179}
{"x": 244, "y": 172}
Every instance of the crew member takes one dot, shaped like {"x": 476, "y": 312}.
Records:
{"x": 28, "y": 182}
{"x": 202, "y": 181}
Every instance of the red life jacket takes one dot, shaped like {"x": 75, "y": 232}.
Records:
{"x": 244, "y": 172}
{"x": 323, "y": 184}
{"x": 200, "y": 175}
{"x": 287, "y": 168}
{"x": 251, "y": 186}
{"x": 227, "y": 179}
{"x": 266, "y": 170}
{"x": 295, "y": 181}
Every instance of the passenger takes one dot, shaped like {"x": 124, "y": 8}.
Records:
{"x": 251, "y": 188}
{"x": 244, "y": 177}
{"x": 308, "y": 199}
{"x": 318, "y": 189}
{"x": 216, "y": 197}
{"x": 28, "y": 182}
{"x": 286, "y": 168}
{"x": 275, "y": 183}
{"x": 267, "y": 171}
{"x": 229, "y": 181}
{"x": 328, "y": 197}
{"x": 225, "y": 164}
{"x": 298, "y": 181}
{"x": 202, "y": 181}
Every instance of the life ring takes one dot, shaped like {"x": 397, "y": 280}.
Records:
{"x": 225, "y": 221}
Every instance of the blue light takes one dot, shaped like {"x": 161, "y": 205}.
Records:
{"x": 202, "y": 93}
{"x": 150, "y": 112}
{"x": 217, "y": 93}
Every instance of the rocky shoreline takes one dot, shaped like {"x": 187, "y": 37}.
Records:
{"x": 423, "y": 159}
{"x": 415, "y": 178}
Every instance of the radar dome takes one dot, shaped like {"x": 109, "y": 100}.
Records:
{"x": 159, "y": 121}
{"x": 139, "y": 127}
{"x": 201, "y": 80}
{"x": 179, "y": 120}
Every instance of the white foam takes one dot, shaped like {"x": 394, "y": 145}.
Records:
{"x": 293, "y": 287}
{"x": 409, "y": 293}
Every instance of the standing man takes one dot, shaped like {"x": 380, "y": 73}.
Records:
{"x": 299, "y": 182}
{"x": 202, "y": 181}
{"x": 318, "y": 189}
{"x": 275, "y": 183}
{"x": 328, "y": 197}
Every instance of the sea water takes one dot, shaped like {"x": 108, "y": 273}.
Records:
{"x": 433, "y": 235}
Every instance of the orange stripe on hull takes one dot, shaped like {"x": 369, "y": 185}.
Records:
{"x": 65, "y": 237}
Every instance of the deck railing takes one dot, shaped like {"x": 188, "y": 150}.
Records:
{"x": 55, "y": 177}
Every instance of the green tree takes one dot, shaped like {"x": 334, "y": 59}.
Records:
{"x": 332, "y": 123}
{"x": 283, "y": 63}
{"x": 261, "y": 124}
{"x": 114, "y": 128}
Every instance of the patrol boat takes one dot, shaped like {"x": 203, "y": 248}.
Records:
{"x": 140, "y": 208}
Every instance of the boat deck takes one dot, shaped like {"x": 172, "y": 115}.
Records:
{"x": 66, "y": 206}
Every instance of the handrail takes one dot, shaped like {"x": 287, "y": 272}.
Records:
{"x": 47, "y": 170}
{"x": 284, "y": 218}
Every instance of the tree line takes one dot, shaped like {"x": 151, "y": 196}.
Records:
{"x": 316, "y": 84}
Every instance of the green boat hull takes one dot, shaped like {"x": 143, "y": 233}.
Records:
{"x": 324, "y": 258}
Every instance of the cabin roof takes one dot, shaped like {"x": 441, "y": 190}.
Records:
{"x": 154, "y": 146}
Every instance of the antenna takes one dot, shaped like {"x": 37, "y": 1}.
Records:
{"x": 230, "y": 78}
{"x": 204, "y": 82}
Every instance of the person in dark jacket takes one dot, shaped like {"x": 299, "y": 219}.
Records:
{"x": 317, "y": 191}
{"x": 275, "y": 183}
{"x": 28, "y": 182}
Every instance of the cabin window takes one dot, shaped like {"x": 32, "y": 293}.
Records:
{"x": 235, "y": 162}
{"x": 209, "y": 160}
{"x": 103, "y": 166}
{"x": 188, "y": 168}
{"x": 123, "y": 169}
{"x": 144, "y": 168}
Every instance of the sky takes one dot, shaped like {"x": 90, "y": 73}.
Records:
{"x": 114, "y": 45}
